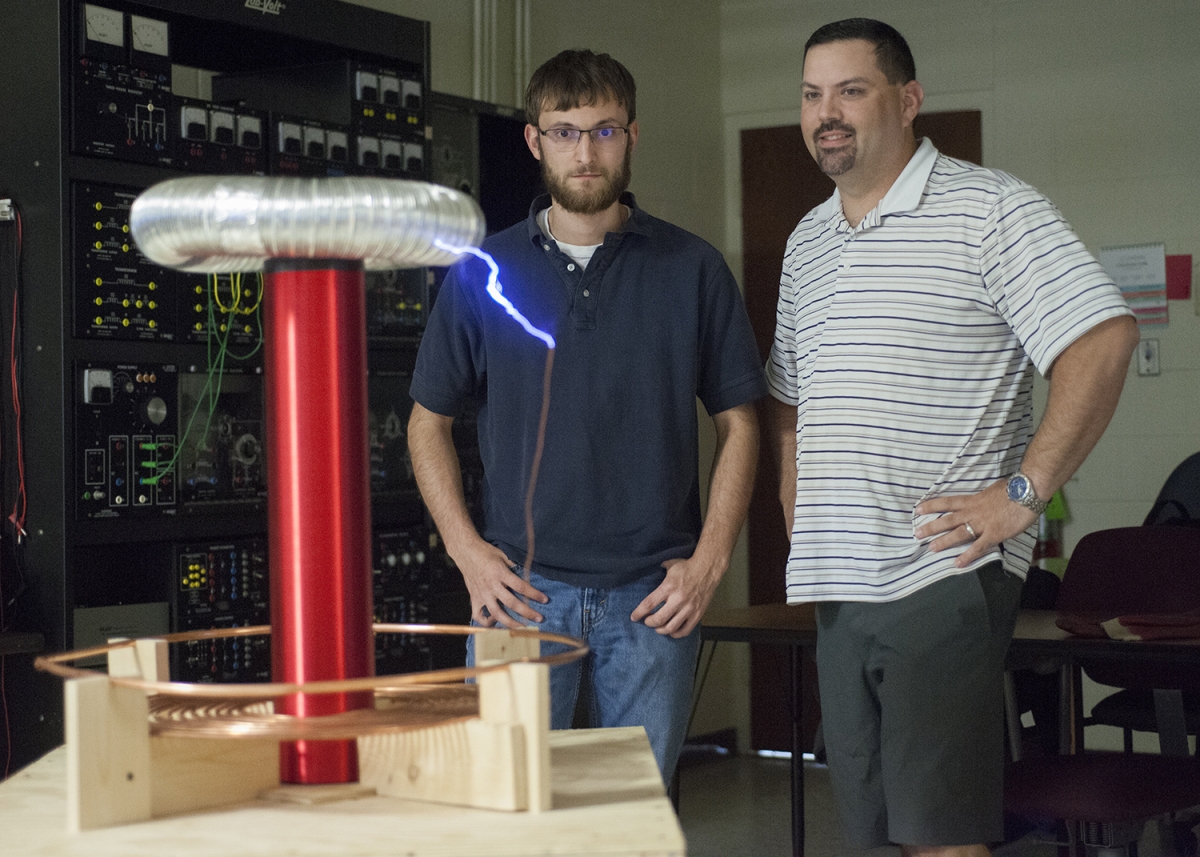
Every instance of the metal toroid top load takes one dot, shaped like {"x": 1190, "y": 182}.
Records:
{"x": 225, "y": 224}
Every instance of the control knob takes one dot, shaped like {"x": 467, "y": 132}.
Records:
{"x": 154, "y": 410}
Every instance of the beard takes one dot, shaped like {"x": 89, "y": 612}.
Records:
{"x": 608, "y": 188}
{"x": 835, "y": 162}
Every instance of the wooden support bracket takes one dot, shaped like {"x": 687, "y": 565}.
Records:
{"x": 500, "y": 761}
{"x": 117, "y": 773}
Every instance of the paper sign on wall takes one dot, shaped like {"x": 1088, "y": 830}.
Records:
{"x": 1140, "y": 271}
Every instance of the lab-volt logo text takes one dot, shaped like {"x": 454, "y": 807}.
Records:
{"x": 267, "y": 7}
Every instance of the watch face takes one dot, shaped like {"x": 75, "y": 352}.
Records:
{"x": 1018, "y": 487}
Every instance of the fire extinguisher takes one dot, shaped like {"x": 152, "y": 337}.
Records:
{"x": 1048, "y": 549}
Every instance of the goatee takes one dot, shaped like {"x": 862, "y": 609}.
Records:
{"x": 838, "y": 161}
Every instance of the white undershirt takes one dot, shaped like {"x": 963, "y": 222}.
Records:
{"x": 580, "y": 254}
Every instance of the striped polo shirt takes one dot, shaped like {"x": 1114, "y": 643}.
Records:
{"x": 907, "y": 345}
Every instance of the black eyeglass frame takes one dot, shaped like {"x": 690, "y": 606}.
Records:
{"x": 574, "y": 135}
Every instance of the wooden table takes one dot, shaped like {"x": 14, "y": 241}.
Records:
{"x": 1036, "y": 640}
{"x": 608, "y": 800}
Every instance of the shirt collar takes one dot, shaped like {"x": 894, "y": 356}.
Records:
{"x": 904, "y": 194}
{"x": 639, "y": 221}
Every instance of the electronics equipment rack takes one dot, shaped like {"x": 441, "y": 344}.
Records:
{"x": 113, "y": 352}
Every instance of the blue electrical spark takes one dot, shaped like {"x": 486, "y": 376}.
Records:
{"x": 497, "y": 291}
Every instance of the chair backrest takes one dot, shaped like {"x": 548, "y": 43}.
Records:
{"x": 1130, "y": 571}
{"x": 1178, "y": 501}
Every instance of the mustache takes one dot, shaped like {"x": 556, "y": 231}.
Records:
{"x": 832, "y": 125}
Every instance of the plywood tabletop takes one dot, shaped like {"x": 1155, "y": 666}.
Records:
{"x": 607, "y": 799}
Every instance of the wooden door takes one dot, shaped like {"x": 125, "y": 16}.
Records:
{"x": 780, "y": 184}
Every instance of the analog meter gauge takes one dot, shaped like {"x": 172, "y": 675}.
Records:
{"x": 148, "y": 35}
{"x": 106, "y": 26}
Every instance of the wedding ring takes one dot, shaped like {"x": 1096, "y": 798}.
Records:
{"x": 971, "y": 530}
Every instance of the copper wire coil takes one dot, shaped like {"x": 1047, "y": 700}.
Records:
{"x": 403, "y": 701}
{"x": 400, "y": 710}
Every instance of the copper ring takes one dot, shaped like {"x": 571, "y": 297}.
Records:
{"x": 403, "y": 701}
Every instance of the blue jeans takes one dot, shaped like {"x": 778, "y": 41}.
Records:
{"x": 638, "y": 676}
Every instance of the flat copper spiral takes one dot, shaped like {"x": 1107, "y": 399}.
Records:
{"x": 414, "y": 707}
{"x": 403, "y": 701}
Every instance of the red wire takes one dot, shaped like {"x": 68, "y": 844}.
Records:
{"x": 4, "y": 705}
{"x": 20, "y": 465}
{"x": 20, "y": 502}
{"x": 7, "y": 725}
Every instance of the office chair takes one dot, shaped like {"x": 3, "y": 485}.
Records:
{"x": 1178, "y": 501}
{"x": 1107, "y": 797}
{"x": 1134, "y": 709}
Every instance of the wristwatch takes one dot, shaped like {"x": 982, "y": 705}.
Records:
{"x": 1020, "y": 490}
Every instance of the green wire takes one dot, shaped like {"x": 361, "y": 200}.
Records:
{"x": 215, "y": 368}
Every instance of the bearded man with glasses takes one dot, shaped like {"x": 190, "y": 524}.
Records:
{"x": 646, "y": 318}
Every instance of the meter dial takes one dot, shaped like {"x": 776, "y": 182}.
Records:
{"x": 148, "y": 35}
{"x": 104, "y": 25}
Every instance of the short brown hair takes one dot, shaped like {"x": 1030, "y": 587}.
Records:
{"x": 578, "y": 78}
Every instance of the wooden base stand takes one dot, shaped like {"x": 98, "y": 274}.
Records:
{"x": 118, "y": 773}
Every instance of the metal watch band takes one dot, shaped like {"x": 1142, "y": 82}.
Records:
{"x": 1029, "y": 499}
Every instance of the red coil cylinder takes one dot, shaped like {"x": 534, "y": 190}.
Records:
{"x": 318, "y": 498}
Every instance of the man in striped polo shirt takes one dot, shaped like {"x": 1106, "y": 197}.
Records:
{"x": 914, "y": 306}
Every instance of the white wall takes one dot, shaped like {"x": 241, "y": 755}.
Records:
{"x": 1091, "y": 101}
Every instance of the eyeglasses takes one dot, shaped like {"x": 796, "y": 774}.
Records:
{"x": 568, "y": 138}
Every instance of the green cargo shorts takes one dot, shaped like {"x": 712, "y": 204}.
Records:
{"x": 912, "y": 710}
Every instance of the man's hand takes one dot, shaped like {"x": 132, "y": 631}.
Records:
{"x": 1085, "y": 384}
{"x": 494, "y": 585}
{"x": 990, "y": 514}
{"x": 677, "y": 604}
{"x": 485, "y": 569}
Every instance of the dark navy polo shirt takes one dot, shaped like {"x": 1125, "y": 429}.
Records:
{"x": 652, "y": 323}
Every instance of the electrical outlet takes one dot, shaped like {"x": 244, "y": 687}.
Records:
{"x": 1147, "y": 357}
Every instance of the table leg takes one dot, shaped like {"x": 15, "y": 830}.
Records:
{"x": 1171, "y": 721}
{"x": 1066, "y": 710}
{"x": 797, "y": 753}
{"x": 1012, "y": 717}
{"x": 1070, "y": 720}
{"x": 700, "y": 675}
